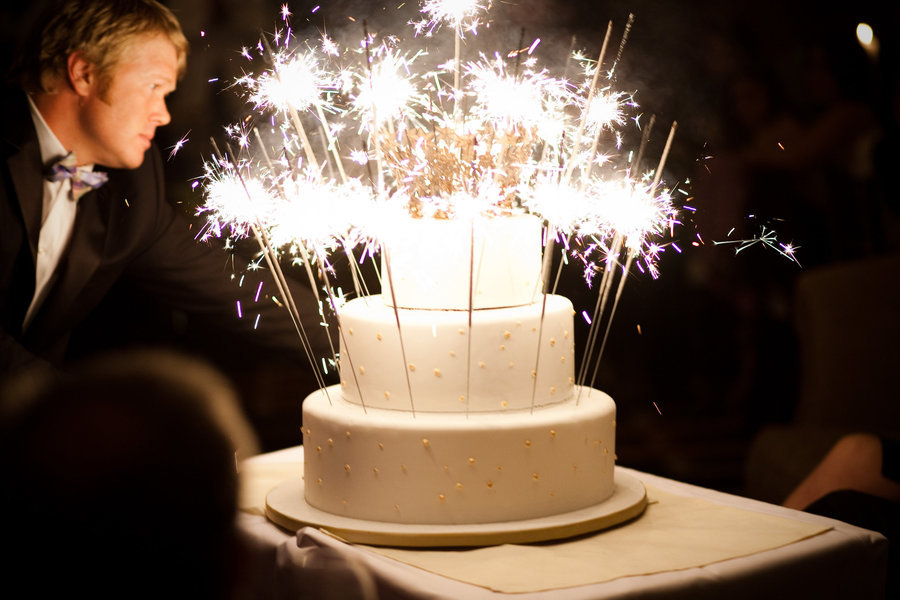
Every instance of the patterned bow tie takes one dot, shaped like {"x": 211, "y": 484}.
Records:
{"x": 84, "y": 179}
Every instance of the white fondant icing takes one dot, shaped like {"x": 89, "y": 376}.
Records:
{"x": 429, "y": 262}
{"x": 457, "y": 468}
{"x": 505, "y": 366}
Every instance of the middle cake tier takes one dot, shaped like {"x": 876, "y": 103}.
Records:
{"x": 451, "y": 361}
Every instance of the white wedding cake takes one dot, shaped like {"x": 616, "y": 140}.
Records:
{"x": 457, "y": 402}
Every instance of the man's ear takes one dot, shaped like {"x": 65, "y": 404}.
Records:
{"x": 81, "y": 74}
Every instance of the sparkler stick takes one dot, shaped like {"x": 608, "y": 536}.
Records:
{"x": 471, "y": 310}
{"x": 645, "y": 137}
{"x": 628, "y": 25}
{"x": 612, "y": 313}
{"x": 379, "y": 159}
{"x": 345, "y": 245}
{"x": 292, "y": 111}
{"x": 664, "y": 156}
{"x": 332, "y": 143}
{"x": 629, "y": 259}
{"x": 599, "y": 308}
{"x": 387, "y": 266}
{"x": 576, "y": 145}
{"x": 457, "y": 65}
{"x": 358, "y": 283}
{"x": 312, "y": 284}
{"x": 537, "y": 357}
{"x": 284, "y": 290}
{"x": 278, "y": 276}
{"x": 324, "y": 271}
{"x": 519, "y": 53}
{"x": 569, "y": 58}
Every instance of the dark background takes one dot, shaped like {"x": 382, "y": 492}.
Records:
{"x": 704, "y": 357}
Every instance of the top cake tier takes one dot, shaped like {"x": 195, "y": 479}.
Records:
{"x": 460, "y": 264}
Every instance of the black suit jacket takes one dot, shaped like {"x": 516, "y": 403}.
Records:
{"x": 125, "y": 230}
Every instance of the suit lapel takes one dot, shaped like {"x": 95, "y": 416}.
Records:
{"x": 25, "y": 168}
{"x": 79, "y": 262}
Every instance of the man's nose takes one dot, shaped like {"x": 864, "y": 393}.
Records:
{"x": 161, "y": 115}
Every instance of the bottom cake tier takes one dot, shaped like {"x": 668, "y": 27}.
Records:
{"x": 452, "y": 468}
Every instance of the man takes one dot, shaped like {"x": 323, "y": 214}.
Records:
{"x": 95, "y": 76}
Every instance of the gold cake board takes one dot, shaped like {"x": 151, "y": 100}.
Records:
{"x": 286, "y": 506}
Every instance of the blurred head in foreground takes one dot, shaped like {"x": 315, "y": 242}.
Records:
{"x": 120, "y": 478}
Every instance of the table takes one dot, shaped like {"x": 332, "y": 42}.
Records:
{"x": 829, "y": 559}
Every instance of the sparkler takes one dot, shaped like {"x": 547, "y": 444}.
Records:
{"x": 767, "y": 238}
{"x": 507, "y": 137}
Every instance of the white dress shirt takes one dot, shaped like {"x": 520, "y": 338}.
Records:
{"x": 57, "y": 216}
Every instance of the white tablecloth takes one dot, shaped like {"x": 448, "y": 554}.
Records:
{"x": 837, "y": 560}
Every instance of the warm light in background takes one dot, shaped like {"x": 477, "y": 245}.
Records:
{"x": 866, "y": 37}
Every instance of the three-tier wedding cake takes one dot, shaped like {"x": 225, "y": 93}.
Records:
{"x": 458, "y": 402}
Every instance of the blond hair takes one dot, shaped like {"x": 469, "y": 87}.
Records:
{"x": 101, "y": 31}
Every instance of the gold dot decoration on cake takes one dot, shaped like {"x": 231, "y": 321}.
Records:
{"x": 471, "y": 460}
{"x": 504, "y": 403}
{"x": 552, "y": 390}
{"x": 319, "y": 481}
{"x": 462, "y": 399}
{"x": 403, "y": 468}
{"x": 552, "y": 342}
{"x": 533, "y": 373}
{"x": 347, "y": 434}
{"x": 535, "y": 476}
{"x": 528, "y": 443}
{"x": 437, "y": 372}
{"x": 380, "y": 446}
{"x": 375, "y": 471}
{"x": 318, "y": 448}
{"x": 462, "y": 331}
{"x": 489, "y": 483}
{"x": 481, "y": 364}
{"x": 347, "y": 468}
{"x": 502, "y": 347}
{"x": 562, "y": 359}
{"x": 426, "y": 442}
{"x": 459, "y": 486}
{"x": 442, "y": 497}
{"x": 512, "y": 365}
{"x": 307, "y": 431}
{"x": 412, "y": 366}
{"x": 350, "y": 330}
{"x": 507, "y": 334}
{"x": 362, "y": 370}
{"x": 553, "y": 433}
{"x": 330, "y": 442}
{"x": 379, "y": 337}
{"x": 387, "y": 395}
{"x": 565, "y": 334}
{"x": 453, "y": 353}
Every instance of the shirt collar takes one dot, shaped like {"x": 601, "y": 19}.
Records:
{"x": 51, "y": 148}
